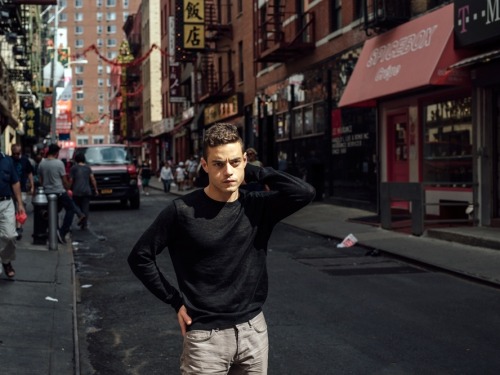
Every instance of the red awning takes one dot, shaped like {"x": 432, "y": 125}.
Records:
{"x": 413, "y": 55}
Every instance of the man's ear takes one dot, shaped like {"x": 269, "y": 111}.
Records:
{"x": 204, "y": 164}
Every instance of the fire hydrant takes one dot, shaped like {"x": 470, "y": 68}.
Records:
{"x": 41, "y": 217}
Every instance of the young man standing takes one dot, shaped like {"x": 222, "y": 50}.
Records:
{"x": 217, "y": 239}
{"x": 9, "y": 187}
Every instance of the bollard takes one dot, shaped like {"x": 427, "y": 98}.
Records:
{"x": 52, "y": 221}
{"x": 40, "y": 217}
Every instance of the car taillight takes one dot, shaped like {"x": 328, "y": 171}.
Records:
{"x": 132, "y": 171}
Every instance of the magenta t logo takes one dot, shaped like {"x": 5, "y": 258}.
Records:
{"x": 463, "y": 12}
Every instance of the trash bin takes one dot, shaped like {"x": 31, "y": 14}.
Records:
{"x": 40, "y": 217}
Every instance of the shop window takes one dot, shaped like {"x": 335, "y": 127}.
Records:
{"x": 308, "y": 120}
{"x": 319, "y": 118}
{"x": 282, "y": 126}
{"x": 447, "y": 142}
{"x": 297, "y": 122}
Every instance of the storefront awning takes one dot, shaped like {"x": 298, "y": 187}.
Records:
{"x": 411, "y": 56}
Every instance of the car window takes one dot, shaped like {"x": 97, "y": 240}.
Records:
{"x": 107, "y": 155}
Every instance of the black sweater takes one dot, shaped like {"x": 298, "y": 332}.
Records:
{"x": 218, "y": 249}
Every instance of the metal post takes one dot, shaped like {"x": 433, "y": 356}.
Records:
{"x": 52, "y": 221}
{"x": 53, "y": 122}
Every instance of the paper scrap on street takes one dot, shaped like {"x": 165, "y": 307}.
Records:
{"x": 51, "y": 299}
{"x": 349, "y": 241}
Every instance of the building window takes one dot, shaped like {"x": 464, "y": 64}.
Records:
{"x": 110, "y": 3}
{"x": 100, "y": 82}
{"x": 240, "y": 6}
{"x": 111, "y": 55}
{"x": 108, "y": 69}
{"x": 111, "y": 43}
{"x": 79, "y": 43}
{"x": 79, "y": 82}
{"x": 63, "y": 17}
{"x": 98, "y": 3}
{"x": 359, "y": 9}
{"x": 125, "y": 16}
{"x": 99, "y": 42}
{"x": 100, "y": 109}
{"x": 125, "y": 4}
{"x": 82, "y": 140}
{"x": 98, "y": 139}
{"x": 241, "y": 70}
{"x": 80, "y": 95}
{"x": 79, "y": 69}
{"x": 100, "y": 97}
{"x": 100, "y": 68}
{"x": 447, "y": 143}
{"x": 78, "y": 3}
{"x": 335, "y": 15}
{"x": 80, "y": 109}
{"x": 78, "y": 30}
{"x": 111, "y": 16}
{"x": 98, "y": 16}
{"x": 78, "y": 17}
{"x": 111, "y": 29}
{"x": 99, "y": 29}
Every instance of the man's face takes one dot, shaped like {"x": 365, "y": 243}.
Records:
{"x": 16, "y": 153}
{"x": 226, "y": 170}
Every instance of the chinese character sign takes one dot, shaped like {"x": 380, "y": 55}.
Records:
{"x": 193, "y": 17}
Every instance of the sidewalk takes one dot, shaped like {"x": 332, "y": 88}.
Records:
{"x": 37, "y": 310}
{"x": 448, "y": 249}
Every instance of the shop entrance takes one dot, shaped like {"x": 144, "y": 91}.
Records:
{"x": 397, "y": 152}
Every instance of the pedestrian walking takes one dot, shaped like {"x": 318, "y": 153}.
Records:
{"x": 192, "y": 169}
{"x": 145, "y": 174}
{"x": 9, "y": 187}
{"x": 166, "y": 176}
{"x": 53, "y": 178}
{"x": 83, "y": 183}
{"x": 24, "y": 170}
{"x": 217, "y": 238}
{"x": 180, "y": 176}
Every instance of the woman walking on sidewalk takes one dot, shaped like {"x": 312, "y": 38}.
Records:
{"x": 166, "y": 176}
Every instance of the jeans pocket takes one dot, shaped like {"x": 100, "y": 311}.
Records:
{"x": 259, "y": 323}
{"x": 199, "y": 335}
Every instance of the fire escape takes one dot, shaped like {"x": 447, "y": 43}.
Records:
{"x": 383, "y": 15}
{"x": 215, "y": 79}
{"x": 281, "y": 35}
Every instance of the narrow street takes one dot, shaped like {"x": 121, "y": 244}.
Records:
{"x": 329, "y": 311}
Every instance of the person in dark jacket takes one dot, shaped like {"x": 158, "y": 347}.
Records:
{"x": 9, "y": 187}
{"x": 217, "y": 238}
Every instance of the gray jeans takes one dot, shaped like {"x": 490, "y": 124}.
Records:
{"x": 242, "y": 349}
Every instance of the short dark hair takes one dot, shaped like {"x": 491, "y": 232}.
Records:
{"x": 80, "y": 157}
{"x": 219, "y": 134}
{"x": 53, "y": 149}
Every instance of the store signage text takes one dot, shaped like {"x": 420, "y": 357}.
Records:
{"x": 223, "y": 110}
{"x": 476, "y": 21}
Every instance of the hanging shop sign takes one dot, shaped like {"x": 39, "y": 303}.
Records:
{"x": 476, "y": 22}
{"x": 230, "y": 107}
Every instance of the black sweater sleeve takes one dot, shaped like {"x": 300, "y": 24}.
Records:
{"x": 142, "y": 259}
{"x": 287, "y": 194}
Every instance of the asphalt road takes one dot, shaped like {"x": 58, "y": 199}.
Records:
{"x": 329, "y": 311}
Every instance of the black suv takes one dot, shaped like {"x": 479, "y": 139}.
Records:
{"x": 114, "y": 171}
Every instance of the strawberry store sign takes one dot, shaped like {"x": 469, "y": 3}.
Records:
{"x": 476, "y": 22}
